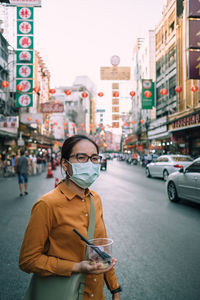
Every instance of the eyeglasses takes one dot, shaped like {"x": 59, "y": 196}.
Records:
{"x": 83, "y": 158}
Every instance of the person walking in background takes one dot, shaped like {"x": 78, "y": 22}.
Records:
{"x": 13, "y": 163}
{"x": 34, "y": 164}
{"x": 22, "y": 171}
{"x": 29, "y": 162}
{"x": 50, "y": 246}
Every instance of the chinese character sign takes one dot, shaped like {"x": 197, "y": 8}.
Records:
{"x": 147, "y": 94}
{"x": 24, "y": 67}
{"x": 24, "y": 100}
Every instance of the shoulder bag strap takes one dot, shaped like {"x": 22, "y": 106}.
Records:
{"x": 91, "y": 227}
{"x": 90, "y": 236}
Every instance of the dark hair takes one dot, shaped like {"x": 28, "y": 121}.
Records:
{"x": 71, "y": 142}
{"x": 22, "y": 151}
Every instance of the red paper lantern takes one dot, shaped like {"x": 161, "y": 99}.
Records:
{"x": 115, "y": 94}
{"x": 178, "y": 89}
{"x": 29, "y": 119}
{"x": 91, "y": 125}
{"x": 84, "y": 95}
{"x": 141, "y": 121}
{"x": 132, "y": 93}
{"x": 47, "y": 121}
{"x": 100, "y": 94}
{"x": 36, "y": 90}
{"x": 65, "y": 127}
{"x": 67, "y": 92}
{"x": 84, "y": 129}
{"x": 19, "y": 87}
{"x": 73, "y": 125}
{"x": 163, "y": 92}
{"x": 55, "y": 123}
{"x": 102, "y": 128}
{"x": 147, "y": 94}
{"x": 5, "y": 84}
{"x": 52, "y": 91}
{"x": 52, "y": 126}
{"x": 77, "y": 129}
{"x": 194, "y": 88}
{"x": 65, "y": 123}
{"x": 133, "y": 122}
{"x": 126, "y": 124}
{"x": 37, "y": 121}
{"x": 82, "y": 125}
{"x": 99, "y": 125}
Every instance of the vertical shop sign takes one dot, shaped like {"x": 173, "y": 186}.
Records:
{"x": 147, "y": 94}
{"x": 193, "y": 39}
{"x": 25, "y": 46}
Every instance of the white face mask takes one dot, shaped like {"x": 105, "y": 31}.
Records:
{"x": 84, "y": 174}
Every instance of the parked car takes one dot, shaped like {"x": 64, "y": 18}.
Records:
{"x": 103, "y": 163}
{"x": 167, "y": 164}
{"x": 185, "y": 184}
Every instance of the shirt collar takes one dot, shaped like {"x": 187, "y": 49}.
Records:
{"x": 69, "y": 193}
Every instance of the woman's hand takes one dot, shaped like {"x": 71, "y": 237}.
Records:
{"x": 116, "y": 296}
{"x": 94, "y": 268}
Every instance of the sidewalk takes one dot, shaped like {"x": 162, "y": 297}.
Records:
{"x": 14, "y": 215}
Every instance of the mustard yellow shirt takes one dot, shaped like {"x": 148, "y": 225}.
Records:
{"x": 50, "y": 247}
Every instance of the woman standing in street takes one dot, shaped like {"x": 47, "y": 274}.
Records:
{"x": 50, "y": 247}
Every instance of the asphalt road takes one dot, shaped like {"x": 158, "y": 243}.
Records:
{"x": 156, "y": 242}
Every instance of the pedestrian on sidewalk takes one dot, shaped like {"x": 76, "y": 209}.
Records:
{"x": 13, "y": 163}
{"x": 22, "y": 171}
{"x": 34, "y": 164}
{"x": 50, "y": 247}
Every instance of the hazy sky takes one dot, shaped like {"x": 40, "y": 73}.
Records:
{"x": 77, "y": 37}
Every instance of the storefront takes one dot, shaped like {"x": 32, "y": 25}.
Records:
{"x": 186, "y": 133}
{"x": 159, "y": 137}
{"x": 130, "y": 143}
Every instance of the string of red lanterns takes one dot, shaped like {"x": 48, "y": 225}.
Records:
{"x": 178, "y": 89}
{"x": 19, "y": 87}
{"x": 115, "y": 94}
{"x": 163, "y": 92}
{"x": 52, "y": 91}
{"x": 84, "y": 95}
{"x": 132, "y": 93}
{"x": 36, "y": 89}
{"x": 67, "y": 92}
{"x": 5, "y": 84}
{"x": 194, "y": 88}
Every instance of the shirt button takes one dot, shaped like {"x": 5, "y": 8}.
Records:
{"x": 86, "y": 215}
{"x": 95, "y": 279}
{"x": 92, "y": 295}
{"x": 83, "y": 200}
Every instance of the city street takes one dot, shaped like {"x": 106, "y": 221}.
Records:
{"x": 156, "y": 242}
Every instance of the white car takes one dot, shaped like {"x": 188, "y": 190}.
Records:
{"x": 167, "y": 164}
{"x": 185, "y": 184}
